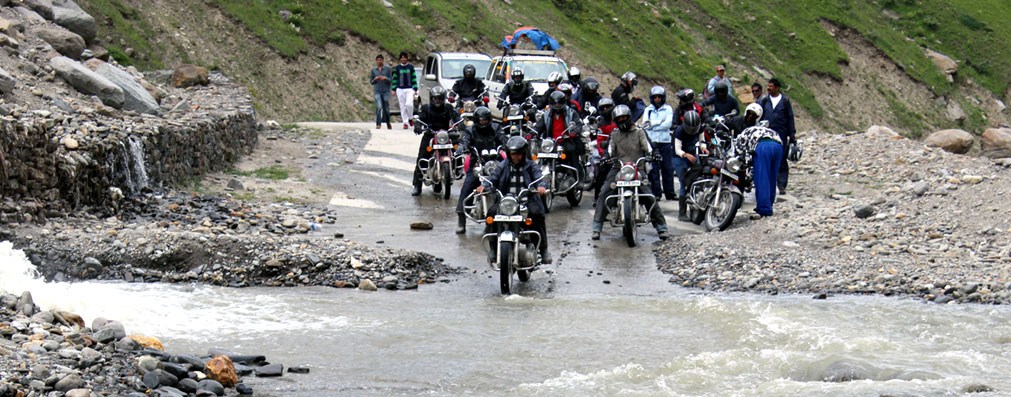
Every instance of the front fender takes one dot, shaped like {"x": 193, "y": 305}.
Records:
{"x": 506, "y": 235}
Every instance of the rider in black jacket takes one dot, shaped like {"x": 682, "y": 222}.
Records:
{"x": 438, "y": 116}
{"x": 469, "y": 87}
{"x": 483, "y": 135}
{"x": 516, "y": 90}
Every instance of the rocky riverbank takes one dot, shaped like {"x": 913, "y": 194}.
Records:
{"x": 44, "y": 352}
{"x": 868, "y": 213}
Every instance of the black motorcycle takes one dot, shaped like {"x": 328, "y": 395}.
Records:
{"x": 517, "y": 248}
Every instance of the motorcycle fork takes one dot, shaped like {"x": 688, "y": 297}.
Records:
{"x": 719, "y": 187}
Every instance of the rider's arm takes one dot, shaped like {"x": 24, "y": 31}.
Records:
{"x": 464, "y": 142}
{"x": 644, "y": 143}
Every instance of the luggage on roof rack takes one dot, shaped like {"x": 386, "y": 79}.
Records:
{"x": 541, "y": 40}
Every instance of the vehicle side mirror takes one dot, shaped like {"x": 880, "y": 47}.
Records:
{"x": 430, "y": 77}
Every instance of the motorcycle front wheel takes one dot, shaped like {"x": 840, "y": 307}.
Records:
{"x": 720, "y": 217}
{"x": 505, "y": 263}
{"x": 628, "y": 228}
{"x": 548, "y": 199}
{"x": 574, "y": 196}
{"x": 447, "y": 181}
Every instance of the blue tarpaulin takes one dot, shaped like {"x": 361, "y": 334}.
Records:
{"x": 542, "y": 40}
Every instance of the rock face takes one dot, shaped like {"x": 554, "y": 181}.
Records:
{"x": 996, "y": 143}
{"x": 68, "y": 14}
{"x": 188, "y": 76}
{"x": 877, "y": 131}
{"x": 88, "y": 82}
{"x": 63, "y": 41}
{"x": 954, "y": 141}
{"x": 135, "y": 97}
{"x": 42, "y": 7}
{"x": 943, "y": 62}
{"x": 222, "y": 370}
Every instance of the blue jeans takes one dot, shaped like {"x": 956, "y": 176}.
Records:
{"x": 768, "y": 155}
{"x": 382, "y": 107}
{"x": 681, "y": 167}
{"x": 662, "y": 175}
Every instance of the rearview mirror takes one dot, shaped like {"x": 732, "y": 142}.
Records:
{"x": 430, "y": 77}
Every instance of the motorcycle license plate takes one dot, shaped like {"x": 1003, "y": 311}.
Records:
{"x": 443, "y": 146}
{"x": 729, "y": 174}
{"x": 629, "y": 183}
{"x": 548, "y": 155}
{"x": 507, "y": 218}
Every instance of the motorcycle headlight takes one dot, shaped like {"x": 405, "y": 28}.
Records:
{"x": 514, "y": 110}
{"x": 509, "y": 206}
{"x": 489, "y": 167}
{"x": 442, "y": 137}
{"x": 627, "y": 173}
{"x": 547, "y": 146}
{"x": 734, "y": 165}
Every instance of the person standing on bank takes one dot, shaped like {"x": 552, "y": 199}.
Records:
{"x": 405, "y": 79}
{"x": 756, "y": 92}
{"x": 661, "y": 117}
{"x": 381, "y": 78}
{"x": 778, "y": 111}
{"x": 720, "y": 76}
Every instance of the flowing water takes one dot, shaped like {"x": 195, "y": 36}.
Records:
{"x": 463, "y": 339}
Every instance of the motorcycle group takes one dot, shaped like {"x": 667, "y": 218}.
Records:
{"x": 572, "y": 140}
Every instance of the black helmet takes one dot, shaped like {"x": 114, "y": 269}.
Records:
{"x": 692, "y": 122}
{"x": 557, "y": 100}
{"x": 469, "y": 71}
{"x": 721, "y": 89}
{"x": 516, "y": 144}
{"x": 591, "y": 85}
{"x": 517, "y": 75}
{"x": 482, "y": 113}
{"x": 437, "y": 96}
{"x": 605, "y": 102}
{"x": 686, "y": 95}
{"x": 622, "y": 117}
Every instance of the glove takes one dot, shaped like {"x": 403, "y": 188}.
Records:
{"x": 656, "y": 156}
{"x": 500, "y": 104}
{"x": 417, "y": 131}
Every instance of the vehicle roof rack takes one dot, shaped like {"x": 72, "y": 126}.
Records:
{"x": 516, "y": 51}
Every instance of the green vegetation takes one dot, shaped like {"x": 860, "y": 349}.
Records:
{"x": 121, "y": 21}
{"x": 273, "y": 172}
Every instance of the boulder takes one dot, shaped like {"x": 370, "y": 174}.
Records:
{"x": 135, "y": 97}
{"x": 99, "y": 52}
{"x": 222, "y": 370}
{"x": 996, "y": 143}
{"x": 69, "y": 382}
{"x": 367, "y": 285}
{"x": 68, "y": 14}
{"x": 189, "y": 75}
{"x": 63, "y": 41}
{"x": 88, "y": 82}
{"x": 270, "y": 370}
{"x": 11, "y": 28}
{"x": 954, "y": 111}
{"x": 211, "y": 386}
{"x": 148, "y": 341}
{"x": 877, "y": 131}
{"x": 43, "y": 7}
{"x": 943, "y": 62}
{"x": 29, "y": 15}
{"x": 7, "y": 41}
{"x": 954, "y": 140}
{"x": 7, "y": 82}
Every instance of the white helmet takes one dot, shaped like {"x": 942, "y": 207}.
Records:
{"x": 573, "y": 72}
{"x": 754, "y": 108}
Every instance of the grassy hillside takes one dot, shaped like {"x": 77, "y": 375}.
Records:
{"x": 677, "y": 42}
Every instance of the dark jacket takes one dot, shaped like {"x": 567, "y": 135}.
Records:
{"x": 679, "y": 112}
{"x": 490, "y": 137}
{"x": 468, "y": 90}
{"x": 438, "y": 120}
{"x": 531, "y": 172}
{"x": 622, "y": 96}
{"x": 780, "y": 118}
{"x": 581, "y": 98}
{"x": 516, "y": 93}
{"x": 404, "y": 77}
{"x": 722, "y": 108}
{"x": 543, "y": 126}
{"x": 542, "y": 100}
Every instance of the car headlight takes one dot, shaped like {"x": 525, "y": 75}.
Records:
{"x": 627, "y": 173}
{"x": 442, "y": 137}
{"x": 734, "y": 165}
{"x": 509, "y": 206}
{"x": 547, "y": 146}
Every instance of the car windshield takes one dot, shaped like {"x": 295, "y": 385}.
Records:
{"x": 537, "y": 70}
{"x": 453, "y": 68}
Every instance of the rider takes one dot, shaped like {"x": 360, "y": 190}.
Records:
{"x": 622, "y": 94}
{"x": 606, "y": 126}
{"x": 661, "y": 118}
{"x": 587, "y": 95}
{"x": 554, "y": 79}
{"x": 438, "y": 116}
{"x": 511, "y": 176}
{"x": 628, "y": 143}
{"x": 483, "y": 135}
{"x": 686, "y": 103}
{"x": 516, "y": 90}
{"x": 574, "y": 79}
{"x": 556, "y": 121}
{"x": 685, "y": 138}
{"x": 767, "y": 148}
{"x": 566, "y": 89}
{"x": 722, "y": 103}
{"x": 469, "y": 87}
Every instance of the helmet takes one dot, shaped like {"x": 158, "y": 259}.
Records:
{"x": 754, "y": 108}
{"x": 482, "y": 113}
{"x": 437, "y": 96}
{"x": 566, "y": 88}
{"x": 516, "y": 144}
{"x": 557, "y": 100}
{"x": 608, "y": 102}
{"x": 658, "y": 91}
{"x": 721, "y": 89}
{"x": 574, "y": 73}
{"x": 686, "y": 95}
{"x": 591, "y": 85}
{"x": 630, "y": 79}
{"x": 517, "y": 75}
{"x": 469, "y": 71}
{"x": 691, "y": 122}
{"x": 622, "y": 117}
{"x": 554, "y": 78}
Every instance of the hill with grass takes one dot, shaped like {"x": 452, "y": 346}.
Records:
{"x": 847, "y": 64}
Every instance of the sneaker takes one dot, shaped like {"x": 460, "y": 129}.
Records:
{"x": 595, "y": 236}
{"x": 546, "y": 258}
{"x": 379, "y": 126}
{"x": 663, "y": 235}
{"x": 389, "y": 126}
{"x": 405, "y": 126}
{"x": 416, "y": 191}
{"x": 412, "y": 123}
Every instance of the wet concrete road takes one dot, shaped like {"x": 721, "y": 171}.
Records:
{"x": 381, "y": 209}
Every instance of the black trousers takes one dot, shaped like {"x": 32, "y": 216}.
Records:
{"x": 600, "y": 214}
{"x": 537, "y": 224}
{"x": 470, "y": 183}
{"x": 603, "y": 169}
{"x": 423, "y": 153}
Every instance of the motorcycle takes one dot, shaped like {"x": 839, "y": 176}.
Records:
{"x": 563, "y": 178}
{"x": 476, "y": 205}
{"x": 629, "y": 206}
{"x": 518, "y": 118}
{"x": 443, "y": 166}
{"x": 468, "y": 106}
{"x": 717, "y": 194}
{"x": 517, "y": 248}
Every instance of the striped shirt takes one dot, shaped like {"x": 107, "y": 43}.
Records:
{"x": 404, "y": 77}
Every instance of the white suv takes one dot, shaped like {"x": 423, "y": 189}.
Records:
{"x": 536, "y": 65}
{"x": 445, "y": 68}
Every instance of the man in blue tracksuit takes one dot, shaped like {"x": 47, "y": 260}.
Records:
{"x": 661, "y": 117}
{"x": 778, "y": 111}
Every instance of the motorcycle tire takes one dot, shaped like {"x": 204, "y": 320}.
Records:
{"x": 548, "y": 200}
{"x": 505, "y": 263}
{"x": 731, "y": 203}
{"x": 447, "y": 182}
{"x": 574, "y": 196}
{"x": 628, "y": 228}
{"x": 523, "y": 275}
{"x": 696, "y": 216}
